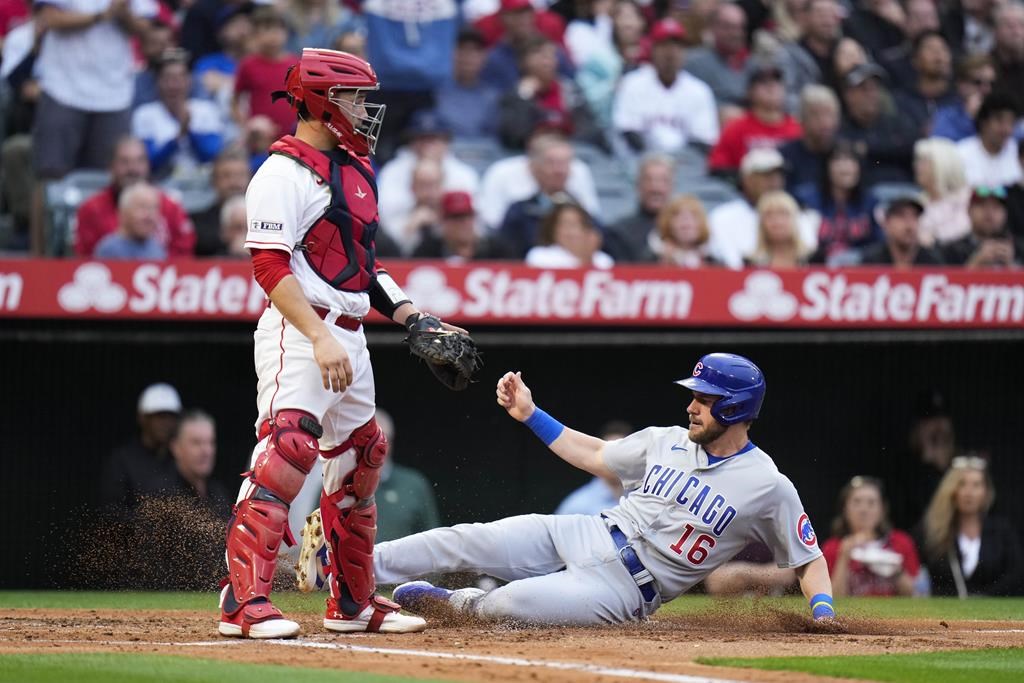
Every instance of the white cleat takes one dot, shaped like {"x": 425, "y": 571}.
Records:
{"x": 380, "y": 616}
{"x": 311, "y": 571}
{"x": 259, "y": 620}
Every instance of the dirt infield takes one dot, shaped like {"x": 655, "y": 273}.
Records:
{"x": 663, "y": 649}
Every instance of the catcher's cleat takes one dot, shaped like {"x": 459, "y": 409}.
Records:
{"x": 314, "y": 560}
{"x": 417, "y": 596}
{"x": 380, "y": 616}
{"x": 256, "y": 619}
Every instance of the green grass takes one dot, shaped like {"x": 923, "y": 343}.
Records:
{"x": 131, "y": 668}
{"x": 1009, "y": 609}
{"x": 957, "y": 666}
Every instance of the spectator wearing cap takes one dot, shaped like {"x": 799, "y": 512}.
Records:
{"x": 542, "y": 95}
{"x": 156, "y": 39}
{"x": 990, "y": 156}
{"x": 86, "y": 74}
{"x": 458, "y": 238}
{"x": 975, "y": 76}
{"x": 1008, "y": 52}
{"x": 722, "y": 65}
{"x": 181, "y": 133}
{"x": 229, "y": 178}
{"x": 764, "y": 124}
{"x": 568, "y": 238}
{"x": 98, "y": 216}
{"x": 887, "y": 136}
{"x": 549, "y": 162}
{"x": 734, "y": 224}
{"x": 900, "y": 220}
{"x": 805, "y": 157}
{"x": 939, "y": 171}
{"x": 660, "y": 107}
{"x": 931, "y": 89}
{"x": 844, "y": 204}
{"x": 410, "y": 48}
{"x": 429, "y": 138}
{"x": 518, "y": 19}
{"x": 262, "y": 73}
{"x": 138, "y": 211}
{"x": 142, "y": 466}
{"x": 520, "y": 177}
{"x": 467, "y": 105}
{"x": 629, "y": 239}
{"x": 990, "y": 243}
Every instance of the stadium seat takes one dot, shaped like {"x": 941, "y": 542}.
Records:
{"x": 63, "y": 197}
{"x": 478, "y": 152}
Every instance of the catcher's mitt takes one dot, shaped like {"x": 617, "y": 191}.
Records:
{"x": 451, "y": 356}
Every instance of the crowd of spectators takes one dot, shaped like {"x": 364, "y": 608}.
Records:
{"x": 852, "y": 131}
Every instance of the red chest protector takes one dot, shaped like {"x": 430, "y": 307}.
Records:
{"x": 339, "y": 246}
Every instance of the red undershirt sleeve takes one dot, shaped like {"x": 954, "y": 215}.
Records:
{"x": 270, "y": 266}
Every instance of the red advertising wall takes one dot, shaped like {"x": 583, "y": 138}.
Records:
{"x": 509, "y": 293}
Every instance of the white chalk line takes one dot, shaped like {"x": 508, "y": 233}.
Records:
{"x": 429, "y": 654}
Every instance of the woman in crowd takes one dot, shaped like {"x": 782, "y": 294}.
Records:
{"x": 598, "y": 73}
{"x": 845, "y": 206}
{"x": 568, "y": 239}
{"x": 939, "y": 171}
{"x": 778, "y": 233}
{"x": 865, "y": 555}
{"x": 847, "y": 54}
{"x": 682, "y": 234}
{"x": 967, "y": 550}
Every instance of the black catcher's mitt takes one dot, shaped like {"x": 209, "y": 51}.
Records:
{"x": 451, "y": 356}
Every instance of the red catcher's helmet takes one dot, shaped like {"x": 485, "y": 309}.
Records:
{"x": 319, "y": 79}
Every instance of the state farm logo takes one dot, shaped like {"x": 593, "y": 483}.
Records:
{"x": 428, "y": 288}
{"x": 763, "y": 296}
{"x": 92, "y": 287}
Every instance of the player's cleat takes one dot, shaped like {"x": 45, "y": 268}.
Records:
{"x": 417, "y": 596}
{"x": 252, "y": 620}
{"x": 380, "y": 616}
{"x": 314, "y": 563}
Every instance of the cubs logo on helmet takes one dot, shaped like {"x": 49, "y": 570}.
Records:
{"x": 805, "y": 531}
{"x": 697, "y": 368}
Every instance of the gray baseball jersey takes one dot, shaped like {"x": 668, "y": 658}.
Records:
{"x": 686, "y": 515}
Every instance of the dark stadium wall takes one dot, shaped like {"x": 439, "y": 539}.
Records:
{"x": 833, "y": 410}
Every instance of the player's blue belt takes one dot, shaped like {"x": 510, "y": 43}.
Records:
{"x": 636, "y": 568}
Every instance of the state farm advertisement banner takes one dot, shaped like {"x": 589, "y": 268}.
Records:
{"x": 508, "y": 293}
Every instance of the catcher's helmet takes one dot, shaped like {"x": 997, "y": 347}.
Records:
{"x": 736, "y": 379}
{"x": 317, "y": 80}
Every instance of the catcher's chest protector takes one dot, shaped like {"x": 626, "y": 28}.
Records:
{"x": 340, "y": 244}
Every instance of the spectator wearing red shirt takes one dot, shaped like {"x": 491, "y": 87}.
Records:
{"x": 765, "y": 124}
{"x": 263, "y": 72}
{"x": 865, "y": 555}
{"x": 12, "y": 13}
{"x": 98, "y": 215}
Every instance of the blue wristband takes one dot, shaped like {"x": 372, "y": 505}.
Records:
{"x": 821, "y": 607}
{"x": 544, "y": 426}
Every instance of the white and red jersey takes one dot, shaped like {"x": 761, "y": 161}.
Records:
{"x": 286, "y": 198}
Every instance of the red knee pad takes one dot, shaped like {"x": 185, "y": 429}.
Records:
{"x": 254, "y": 536}
{"x": 290, "y": 454}
{"x": 371, "y": 446}
{"x": 352, "y": 555}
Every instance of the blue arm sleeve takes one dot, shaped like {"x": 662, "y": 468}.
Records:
{"x": 159, "y": 156}
{"x": 206, "y": 145}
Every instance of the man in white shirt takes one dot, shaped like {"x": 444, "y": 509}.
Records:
{"x": 990, "y": 156}
{"x": 734, "y": 224}
{"x": 428, "y": 139}
{"x": 660, "y": 107}
{"x": 514, "y": 179}
{"x": 86, "y": 72}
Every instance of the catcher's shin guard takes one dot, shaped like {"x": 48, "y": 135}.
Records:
{"x": 261, "y": 517}
{"x": 350, "y": 517}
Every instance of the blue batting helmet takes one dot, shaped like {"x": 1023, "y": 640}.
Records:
{"x": 736, "y": 379}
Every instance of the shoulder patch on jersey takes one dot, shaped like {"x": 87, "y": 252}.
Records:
{"x": 266, "y": 226}
{"x": 805, "y": 531}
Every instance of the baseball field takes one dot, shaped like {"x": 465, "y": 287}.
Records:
{"x": 121, "y": 637}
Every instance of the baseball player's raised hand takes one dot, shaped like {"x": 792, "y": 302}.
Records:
{"x": 514, "y": 396}
{"x": 335, "y": 367}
